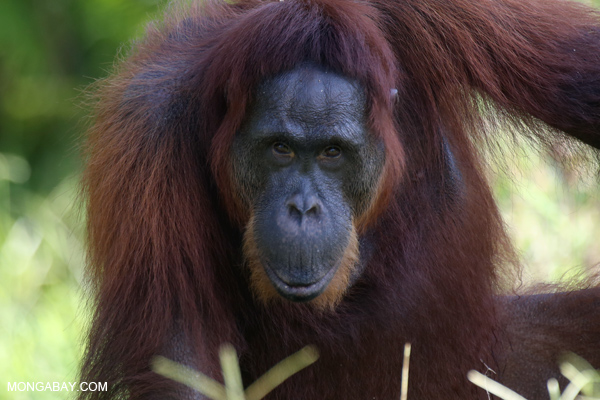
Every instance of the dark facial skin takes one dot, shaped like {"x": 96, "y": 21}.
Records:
{"x": 306, "y": 167}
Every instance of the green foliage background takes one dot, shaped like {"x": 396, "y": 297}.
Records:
{"x": 50, "y": 51}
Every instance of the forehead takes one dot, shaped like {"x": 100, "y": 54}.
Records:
{"x": 307, "y": 97}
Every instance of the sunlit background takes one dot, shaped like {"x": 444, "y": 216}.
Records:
{"x": 50, "y": 51}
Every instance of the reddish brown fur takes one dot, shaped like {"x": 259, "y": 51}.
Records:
{"x": 165, "y": 254}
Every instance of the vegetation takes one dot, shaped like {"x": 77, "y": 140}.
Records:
{"x": 50, "y": 51}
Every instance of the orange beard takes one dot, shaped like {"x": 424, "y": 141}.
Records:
{"x": 326, "y": 301}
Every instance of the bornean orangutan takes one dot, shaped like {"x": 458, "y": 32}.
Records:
{"x": 274, "y": 174}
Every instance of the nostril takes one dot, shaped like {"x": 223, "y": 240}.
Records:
{"x": 313, "y": 206}
{"x": 295, "y": 206}
{"x": 299, "y": 205}
{"x": 294, "y": 210}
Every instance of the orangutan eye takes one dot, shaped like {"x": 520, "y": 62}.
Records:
{"x": 332, "y": 152}
{"x": 282, "y": 149}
